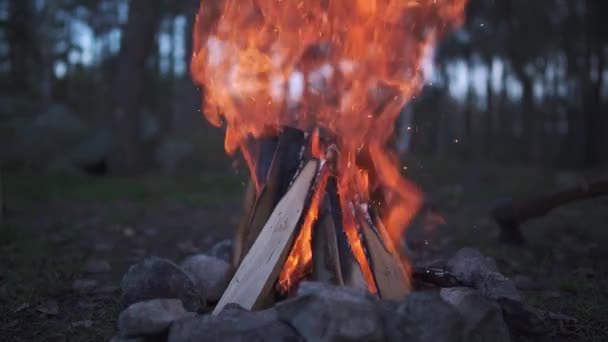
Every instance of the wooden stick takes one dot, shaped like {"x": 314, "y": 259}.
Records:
{"x": 254, "y": 280}
{"x": 242, "y": 229}
{"x": 510, "y": 215}
{"x": 282, "y": 168}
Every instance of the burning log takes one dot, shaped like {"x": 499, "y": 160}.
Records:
{"x": 277, "y": 244}
{"x": 509, "y": 216}
{"x": 257, "y": 274}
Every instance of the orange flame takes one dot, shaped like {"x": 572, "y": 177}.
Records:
{"x": 344, "y": 66}
{"x": 299, "y": 261}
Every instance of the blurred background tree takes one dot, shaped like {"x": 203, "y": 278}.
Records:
{"x": 103, "y": 85}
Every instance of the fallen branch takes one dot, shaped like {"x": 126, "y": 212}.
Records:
{"x": 509, "y": 216}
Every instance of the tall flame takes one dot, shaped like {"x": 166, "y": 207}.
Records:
{"x": 344, "y": 66}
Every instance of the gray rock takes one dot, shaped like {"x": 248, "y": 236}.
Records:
{"x": 210, "y": 274}
{"x": 49, "y": 135}
{"x": 422, "y": 317}
{"x": 329, "y": 313}
{"x": 482, "y": 316}
{"x": 96, "y": 146}
{"x": 222, "y": 250}
{"x": 467, "y": 263}
{"x": 233, "y": 324}
{"x": 150, "y": 317}
{"x": 480, "y": 272}
{"x": 159, "y": 278}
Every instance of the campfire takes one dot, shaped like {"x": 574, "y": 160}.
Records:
{"x": 309, "y": 92}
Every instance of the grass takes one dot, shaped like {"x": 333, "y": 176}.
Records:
{"x": 41, "y": 260}
{"x": 40, "y": 267}
{"x": 148, "y": 189}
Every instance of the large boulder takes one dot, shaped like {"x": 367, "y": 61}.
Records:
{"x": 155, "y": 278}
{"x": 422, "y": 317}
{"x": 233, "y": 324}
{"x": 210, "y": 274}
{"x": 330, "y": 313}
{"x": 49, "y": 135}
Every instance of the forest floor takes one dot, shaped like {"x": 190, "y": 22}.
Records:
{"x": 56, "y": 225}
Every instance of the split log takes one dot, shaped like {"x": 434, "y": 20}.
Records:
{"x": 276, "y": 178}
{"x": 254, "y": 279}
{"x": 391, "y": 279}
{"x": 326, "y": 261}
{"x": 509, "y": 216}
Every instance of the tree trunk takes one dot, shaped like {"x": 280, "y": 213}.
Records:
{"x": 595, "y": 122}
{"x": 136, "y": 45}
{"x": 489, "y": 119}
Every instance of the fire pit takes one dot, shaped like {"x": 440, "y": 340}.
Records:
{"x": 309, "y": 92}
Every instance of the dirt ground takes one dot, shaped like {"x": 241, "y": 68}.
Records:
{"x": 56, "y": 225}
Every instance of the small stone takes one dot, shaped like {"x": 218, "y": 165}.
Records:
{"x": 97, "y": 266}
{"x": 159, "y": 278}
{"x": 150, "y": 317}
{"x": 482, "y": 316}
{"x": 222, "y": 250}
{"x": 84, "y": 285}
{"x": 423, "y": 317}
{"x": 233, "y": 324}
{"x": 330, "y": 313}
{"x": 210, "y": 274}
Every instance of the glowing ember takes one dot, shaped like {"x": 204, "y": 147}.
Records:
{"x": 344, "y": 66}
